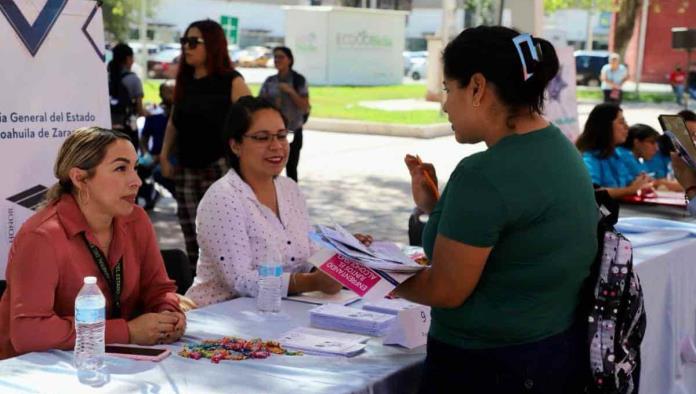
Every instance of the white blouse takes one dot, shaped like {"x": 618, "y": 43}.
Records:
{"x": 235, "y": 231}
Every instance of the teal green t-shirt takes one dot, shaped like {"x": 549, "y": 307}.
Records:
{"x": 530, "y": 198}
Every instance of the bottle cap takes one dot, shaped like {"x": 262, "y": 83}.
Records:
{"x": 90, "y": 280}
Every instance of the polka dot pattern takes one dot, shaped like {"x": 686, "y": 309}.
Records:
{"x": 235, "y": 233}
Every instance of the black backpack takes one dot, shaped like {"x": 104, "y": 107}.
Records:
{"x": 298, "y": 80}
{"x": 615, "y": 311}
{"x": 121, "y": 103}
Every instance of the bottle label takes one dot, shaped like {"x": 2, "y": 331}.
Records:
{"x": 87, "y": 316}
{"x": 269, "y": 270}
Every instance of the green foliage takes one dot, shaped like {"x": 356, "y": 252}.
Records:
{"x": 599, "y": 5}
{"x": 121, "y": 15}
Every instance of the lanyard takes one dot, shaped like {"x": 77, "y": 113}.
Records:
{"x": 114, "y": 281}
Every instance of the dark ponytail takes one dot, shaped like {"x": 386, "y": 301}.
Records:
{"x": 121, "y": 52}
{"x": 490, "y": 50}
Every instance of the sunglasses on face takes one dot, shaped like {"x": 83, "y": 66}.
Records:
{"x": 192, "y": 42}
{"x": 265, "y": 138}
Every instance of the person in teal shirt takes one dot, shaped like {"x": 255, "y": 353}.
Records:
{"x": 641, "y": 155}
{"x": 512, "y": 238}
{"x": 606, "y": 129}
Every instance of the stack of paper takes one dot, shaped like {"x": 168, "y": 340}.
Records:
{"x": 342, "y": 318}
{"x": 380, "y": 255}
{"x": 389, "y": 306}
{"x": 343, "y": 297}
{"x": 323, "y": 342}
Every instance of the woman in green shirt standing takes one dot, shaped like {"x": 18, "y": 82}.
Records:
{"x": 513, "y": 236}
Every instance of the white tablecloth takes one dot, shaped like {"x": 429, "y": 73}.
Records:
{"x": 666, "y": 266}
{"x": 378, "y": 369}
{"x": 667, "y": 270}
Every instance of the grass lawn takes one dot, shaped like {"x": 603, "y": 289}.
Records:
{"x": 645, "y": 97}
{"x": 341, "y": 102}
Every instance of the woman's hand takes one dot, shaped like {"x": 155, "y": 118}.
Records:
{"x": 424, "y": 192}
{"x": 186, "y": 304}
{"x": 151, "y": 328}
{"x": 179, "y": 327}
{"x": 642, "y": 181}
{"x": 324, "y": 283}
{"x": 685, "y": 175}
{"x": 364, "y": 239}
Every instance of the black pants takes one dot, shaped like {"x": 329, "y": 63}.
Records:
{"x": 608, "y": 99}
{"x": 558, "y": 364}
{"x": 294, "y": 156}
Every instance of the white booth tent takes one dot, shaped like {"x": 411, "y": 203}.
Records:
{"x": 347, "y": 46}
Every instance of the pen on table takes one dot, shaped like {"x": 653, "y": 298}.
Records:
{"x": 430, "y": 180}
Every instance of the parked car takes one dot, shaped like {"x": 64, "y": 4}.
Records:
{"x": 588, "y": 66}
{"x": 419, "y": 69}
{"x": 163, "y": 64}
{"x": 256, "y": 56}
{"x": 410, "y": 57}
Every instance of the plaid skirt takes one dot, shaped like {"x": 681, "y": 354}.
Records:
{"x": 190, "y": 186}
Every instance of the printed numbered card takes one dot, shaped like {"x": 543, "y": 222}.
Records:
{"x": 410, "y": 329}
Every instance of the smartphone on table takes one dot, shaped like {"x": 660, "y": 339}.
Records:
{"x": 137, "y": 353}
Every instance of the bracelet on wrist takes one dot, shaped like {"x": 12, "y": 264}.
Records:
{"x": 688, "y": 190}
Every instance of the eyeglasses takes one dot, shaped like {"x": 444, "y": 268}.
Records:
{"x": 265, "y": 138}
{"x": 192, "y": 42}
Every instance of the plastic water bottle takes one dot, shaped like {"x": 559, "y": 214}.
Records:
{"x": 89, "y": 328}
{"x": 270, "y": 283}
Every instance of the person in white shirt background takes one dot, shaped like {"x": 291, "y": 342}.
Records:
{"x": 613, "y": 76}
{"x": 251, "y": 213}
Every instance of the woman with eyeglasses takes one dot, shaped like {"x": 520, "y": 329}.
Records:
{"x": 605, "y": 130}
{"x": 206, "y": 84}
{"x": 252, "y": 210}
{"x": 288, "y": 91}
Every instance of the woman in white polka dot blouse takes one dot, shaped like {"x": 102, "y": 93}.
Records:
{"x": 252, "y": 210}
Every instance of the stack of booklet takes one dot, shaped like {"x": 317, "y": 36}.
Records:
{"x": 389, "y": 306}
{"x": 342, "y": 318}
{"x": 323, "y": 342}
{"x": 385, "y": 256}
{"x": 371, "y": 273}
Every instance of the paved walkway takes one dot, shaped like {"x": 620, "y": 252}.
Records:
{"x": 361, "y": 182}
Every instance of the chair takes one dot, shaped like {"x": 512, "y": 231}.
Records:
{"x": 178, "y": 268}
{"x": 415, "y": 227}
{"x": 3, "y": 285}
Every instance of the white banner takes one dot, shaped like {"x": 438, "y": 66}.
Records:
{"x": 53, "y": 81}
{"x": 561, "y": 105}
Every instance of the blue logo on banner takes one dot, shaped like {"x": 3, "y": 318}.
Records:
{"x": 32, "y": 35}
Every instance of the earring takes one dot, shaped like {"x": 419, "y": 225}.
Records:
{"x": 475, "y": 104}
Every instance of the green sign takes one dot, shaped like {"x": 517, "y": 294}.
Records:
{"x": 230, "y": 24}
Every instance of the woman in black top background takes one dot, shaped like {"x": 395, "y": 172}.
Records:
{"x": 206, "y": 84}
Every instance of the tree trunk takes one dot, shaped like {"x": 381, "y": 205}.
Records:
{"x": 625, "y": 23}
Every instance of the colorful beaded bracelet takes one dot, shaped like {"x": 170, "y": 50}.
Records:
{"x": 233, "y": 348}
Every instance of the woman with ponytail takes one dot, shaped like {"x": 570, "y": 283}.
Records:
{"x": 512, "y": 238}
{"x": 125, "y": 92}
{"x": 89, "y": 225}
